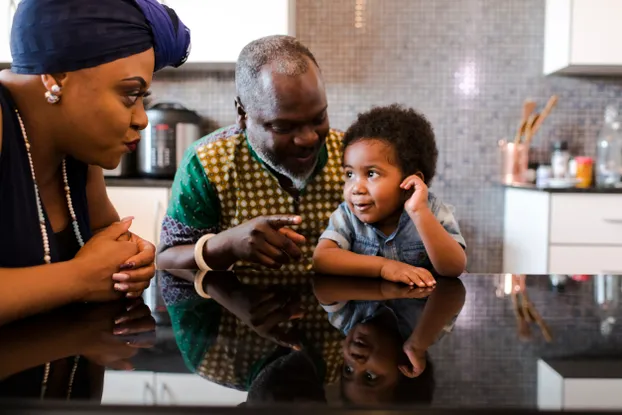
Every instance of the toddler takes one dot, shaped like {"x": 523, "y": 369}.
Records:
{"x": 390, "y": 226}
{"x": 388, "y": 332}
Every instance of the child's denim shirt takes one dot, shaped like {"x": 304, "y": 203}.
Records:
{"x": 407, "y": 312}
{"x": 404, "y": 244}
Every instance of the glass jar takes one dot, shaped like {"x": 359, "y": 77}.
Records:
{"x": 560, "y": 159}
{"x": 609, "y": 150}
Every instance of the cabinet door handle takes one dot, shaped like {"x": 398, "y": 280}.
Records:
{"x": 167, "y": 394}
{"x": 148, "y": 390}
{"x": 613, "y": 221}
{"x": 157, "y": 223}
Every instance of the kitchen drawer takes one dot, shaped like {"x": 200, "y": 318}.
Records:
{"x": 586, "y": 219}
{"x": 585, "y": 260}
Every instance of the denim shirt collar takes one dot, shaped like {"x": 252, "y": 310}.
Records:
{"x": 401, "y": 224}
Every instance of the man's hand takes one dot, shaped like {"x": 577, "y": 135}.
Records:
{"x": 262, "y": 309}
{"x": 267, "y": 241}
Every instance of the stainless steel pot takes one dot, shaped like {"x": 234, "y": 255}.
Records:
{"x": 172, "y": 129}
{"x": 126, "y": 168}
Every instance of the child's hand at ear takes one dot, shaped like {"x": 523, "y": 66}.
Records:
{"x": 416, "y": 357}
{"x": 419, "y": 200}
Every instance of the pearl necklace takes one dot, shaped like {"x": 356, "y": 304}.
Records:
{"x": 72, "y": 375}
{"x": 47, "y": 257}
{"x": 74, "y": 220}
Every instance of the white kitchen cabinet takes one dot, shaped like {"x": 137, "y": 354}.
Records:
{"x": 129, "y": 388}
{"x": 562, "y": 233}
{"x": 579, "y": 385}
{"x": 148, "y": 206}
{"x": 220, "y": 29}
{"x": 585, "y": 259}
{"x": 166, "y": 389}
{"x": 185, "y": 389}
{"x": 7, "y": 10}
{"x": 582, "y": 37}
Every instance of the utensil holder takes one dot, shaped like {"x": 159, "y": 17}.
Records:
{"x": 514, "y": 162}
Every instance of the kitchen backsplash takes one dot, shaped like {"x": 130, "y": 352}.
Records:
{"x": 467, "y": 65}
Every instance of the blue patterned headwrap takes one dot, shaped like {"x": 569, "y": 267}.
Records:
{"x": 52, "y": 36}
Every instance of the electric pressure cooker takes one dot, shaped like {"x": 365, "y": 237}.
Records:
{"x": 172, "y": 129}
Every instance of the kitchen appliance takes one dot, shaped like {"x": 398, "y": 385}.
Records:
{"x": 171, "y": 130}
{"x": 126, "y": 168}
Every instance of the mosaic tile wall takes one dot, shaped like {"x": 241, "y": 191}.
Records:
{"x": 468, "y": 65}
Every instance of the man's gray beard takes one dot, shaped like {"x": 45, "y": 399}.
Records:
{"x": 298, "y": 179}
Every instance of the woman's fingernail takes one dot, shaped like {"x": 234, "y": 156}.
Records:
{"x": 127, "y": 219}
{"x": 117, "y": 332}
{"x": 120, "y": 277}
{"x": 127, "y": 265}
{"x": 121, "y": 287}
{"x": 121, "y": 320}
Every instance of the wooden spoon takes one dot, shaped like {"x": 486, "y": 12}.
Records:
{"x": 529, "y": 128}
{"x": 529, "y": 106}
{"x": 545, "y": 113}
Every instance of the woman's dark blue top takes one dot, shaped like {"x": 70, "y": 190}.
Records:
{"x": 21, "y": 243}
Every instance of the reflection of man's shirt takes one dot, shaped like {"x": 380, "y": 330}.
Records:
{"x": 221, "y": 183}
{"x": 217, "y": 345}
{"x": 407, "y": 312}
{"x": 404, "y": 244}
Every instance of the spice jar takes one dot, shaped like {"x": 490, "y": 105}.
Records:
{"x": 584, "y": 171}
{"x": 560, "y": 159}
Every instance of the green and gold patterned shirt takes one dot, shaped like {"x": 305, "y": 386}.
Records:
{"x": 222, "y": 183}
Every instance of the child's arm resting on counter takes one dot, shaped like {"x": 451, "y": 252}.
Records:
{"x": 332, "y": 256}
{"x": 329, "y": 258}
{"x": 446, "y": 254}
{"x": 443, "y": 305}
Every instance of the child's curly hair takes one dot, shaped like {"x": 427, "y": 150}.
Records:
{"x": 406, "y": 130}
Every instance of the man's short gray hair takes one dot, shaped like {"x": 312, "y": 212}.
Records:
{"x": 285, "y": 53}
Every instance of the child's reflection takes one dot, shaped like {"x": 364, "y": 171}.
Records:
{"x": 388, "y": 329}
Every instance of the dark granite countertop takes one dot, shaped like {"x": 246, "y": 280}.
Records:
{"x": 594, "y": 190}
{"x": 137, "y": 182}
{"x": 480, "y": 358}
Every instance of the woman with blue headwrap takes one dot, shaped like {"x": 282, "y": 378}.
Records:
{"x": 72, "y": 104}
